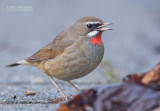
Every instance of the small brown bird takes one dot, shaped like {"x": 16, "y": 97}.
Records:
{"x": 74, "y": 53}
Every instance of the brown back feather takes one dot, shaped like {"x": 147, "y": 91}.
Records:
{"x": 51, "y": 50}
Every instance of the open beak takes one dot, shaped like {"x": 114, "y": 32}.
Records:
{"x": 103, "y": 27}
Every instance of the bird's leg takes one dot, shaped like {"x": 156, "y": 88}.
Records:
{"x": 52, "y": 80}
{"x": 74, "y": 86}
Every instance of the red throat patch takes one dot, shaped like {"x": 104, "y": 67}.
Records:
{"x": 97, "y": 39}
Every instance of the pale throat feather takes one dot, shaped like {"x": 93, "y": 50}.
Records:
{"x": 93, "y": 33}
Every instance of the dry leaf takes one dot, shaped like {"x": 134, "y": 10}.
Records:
{"x": 27, "y": 93}
{"x": 137, "y": 92}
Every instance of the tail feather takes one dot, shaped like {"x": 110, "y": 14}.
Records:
{"x": 12, "y": 65}
{"x": 18, "y": 63}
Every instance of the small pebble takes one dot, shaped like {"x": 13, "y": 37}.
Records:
{"x": 14, "y": 97}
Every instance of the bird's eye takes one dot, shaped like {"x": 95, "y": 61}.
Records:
{"x": 89, "y": 26}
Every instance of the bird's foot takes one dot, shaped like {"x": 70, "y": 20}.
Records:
{"x": 60, "y": 99}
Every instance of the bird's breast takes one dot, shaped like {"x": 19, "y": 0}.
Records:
{"x": 96, "y": 53}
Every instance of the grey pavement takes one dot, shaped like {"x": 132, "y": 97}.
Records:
{"x": 44, "y": 90}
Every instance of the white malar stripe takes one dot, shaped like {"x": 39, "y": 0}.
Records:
{"x": 93, "y": 33}
{"x": 23, "y": 62}
{"x": 96, "y": 22}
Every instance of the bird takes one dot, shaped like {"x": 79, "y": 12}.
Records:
{"x": 74, "y": 53}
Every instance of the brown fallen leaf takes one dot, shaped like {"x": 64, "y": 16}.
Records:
{"x": 137, "y": 92}
{"x": 80, "y": 101}
{"x": 27, "y": 93}
{"x": 64, "y": 108}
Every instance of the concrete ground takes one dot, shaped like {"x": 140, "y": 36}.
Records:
{"x": 12, "y": 96}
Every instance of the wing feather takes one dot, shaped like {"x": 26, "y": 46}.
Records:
{"x": 51, "y": 50}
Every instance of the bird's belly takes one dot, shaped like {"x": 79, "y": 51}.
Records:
{"x": 67, "y": 68}
{"x": 71, "y": 65}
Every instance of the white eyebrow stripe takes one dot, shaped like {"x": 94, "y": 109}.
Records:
{"x": 96, "y": 22}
